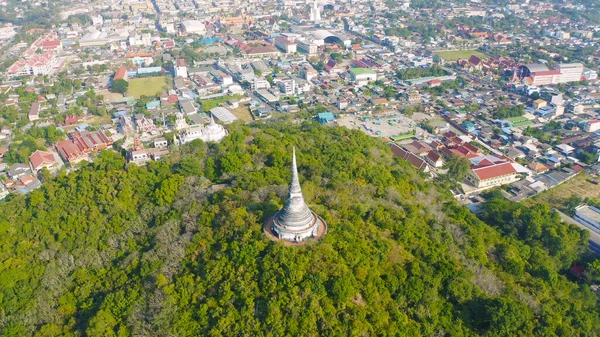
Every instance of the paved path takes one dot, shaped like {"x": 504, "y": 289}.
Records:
{"x": 594, "y": 236}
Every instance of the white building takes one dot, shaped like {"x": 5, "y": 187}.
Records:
{"x": 180, "y": 68}
{"x": 570, "y": 72}
{"x": 285, "y": 45}
{"x": 315, "y": 12}
{"x": 212, "y": 132}
{"x": 307, "y": 46}
{"x": 97, "y": 20}
{"x": 592, "y": 126}
{"x": 193, "y": 27}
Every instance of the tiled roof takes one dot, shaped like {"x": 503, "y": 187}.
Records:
{"x": 40, "y": 158}
{"x": 415, "y": 161}
{"x": 490, "y": 172}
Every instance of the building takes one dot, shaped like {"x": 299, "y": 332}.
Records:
{"x": 325, "y": 117}
{"x": 137, "y": 155}
{"x": 160, "y": 142}
{"x": 40, "y": 159}
{"x": 120, "y": 74}
{"x": 223, "y": 115}
{"x": 193, "y": 27}
{"x": 34, "y": 112}
{"x": 362, "y": 76}
{"x": 570, "y": 72}
{"x": 493, "y": 175}
{"x": 287, "y": 86}
{"x": 592, "y": 126}
{"x": 285, "y": 45}
{"x": 295, "y": 222}
{"x": 589, "y": 216}
{"x": 212, "y": 132}
{"x": 413, "y": 159}
{"x": 539, "y": 74}
{"x": 180, "y": 68}
{"x": 315, "y": 12}
{"x": 69, "y": 151}
{"x": 81, "y": 144}
{"x": 307, "y": 46}
{"x": 41, "y": 58}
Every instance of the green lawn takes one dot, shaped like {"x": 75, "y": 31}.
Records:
{"x": 522, "y": 123}
{"x": 453, "y": 55}
{"x": 148, "y": 86}
{"x": 210, "y": 103}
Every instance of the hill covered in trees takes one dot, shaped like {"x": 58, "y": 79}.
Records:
{"x": 117, "y": 250}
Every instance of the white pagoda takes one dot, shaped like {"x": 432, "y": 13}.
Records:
{"x": 211, "y": 132}
{"x": 295, "y": 222}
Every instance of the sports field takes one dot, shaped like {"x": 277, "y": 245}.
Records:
{"x": 519, "y": 121}
{"x": 148, "y": 86}
{"x": 453, "y": 55}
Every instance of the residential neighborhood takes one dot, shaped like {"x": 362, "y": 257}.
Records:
{"x": 473, "y": 83}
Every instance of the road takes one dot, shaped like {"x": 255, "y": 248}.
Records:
{"x": 594, "y": 236}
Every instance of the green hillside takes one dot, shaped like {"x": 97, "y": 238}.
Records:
{"x": 116, "y": 250}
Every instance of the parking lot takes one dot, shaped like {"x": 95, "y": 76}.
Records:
{"x": 386, "y": 125}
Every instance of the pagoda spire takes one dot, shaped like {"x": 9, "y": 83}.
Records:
{"x": 212, "y": 119}
{"x": 295, "y": 189}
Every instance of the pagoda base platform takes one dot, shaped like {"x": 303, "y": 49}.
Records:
{"x": 268, "y": 229}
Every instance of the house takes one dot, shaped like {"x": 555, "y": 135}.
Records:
{"x": 40, "y": 159}
{"x": 434, "y": 159}
{"x": 539, "y": 103}
{"x": 34, "y": 112}
{"x": 565, "y": 149}
{"x": 160, "y": 143}
{"x": 418, "y": 148}
{"x": 493, "y": 175}
{"x": 592, "y": 126}
{"x": 538, "y": 168}
{"x": 325, "y": 117}
{"x": 18, "y": 170}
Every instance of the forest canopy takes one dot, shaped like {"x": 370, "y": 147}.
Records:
{"x": 120, "y": 250}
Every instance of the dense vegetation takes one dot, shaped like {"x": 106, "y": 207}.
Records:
{"x": 509, "y": 111}
{"x": 418, "y": 72}
{"x": 118, "y": 250}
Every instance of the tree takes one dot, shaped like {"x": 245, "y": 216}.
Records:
{"x": 119, "y": 86}
{"x": 458, "y": 168}
{"x": 587, "y": 157}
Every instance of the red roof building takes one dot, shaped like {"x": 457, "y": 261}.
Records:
{"x": 69, "y": 151}
{"x": 493, "y": 175}
{"x": 121, "y": 74}
{"x": 82, "y": 143}
{"x": 40, "y": 159}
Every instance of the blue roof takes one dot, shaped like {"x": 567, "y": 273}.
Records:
{"x": 153, "y": 104}
{"x": 325, "y": 117}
